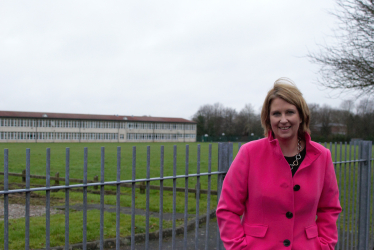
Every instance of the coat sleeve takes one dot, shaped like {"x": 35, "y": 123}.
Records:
{"x": 232, "y": 202}
{"x": 328, "y": 208}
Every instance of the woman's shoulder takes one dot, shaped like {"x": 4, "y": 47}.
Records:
{"x": 320, "y": 148}
{"x": 317, "y": 145}
{"x": 254, "y": 144}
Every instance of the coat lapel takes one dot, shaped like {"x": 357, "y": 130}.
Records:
{"x": 312, "y": 153}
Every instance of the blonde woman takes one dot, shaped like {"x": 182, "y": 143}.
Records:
{"x": 281, "y": 191}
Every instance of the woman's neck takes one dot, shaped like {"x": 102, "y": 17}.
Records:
{"x": 289, "y": 147}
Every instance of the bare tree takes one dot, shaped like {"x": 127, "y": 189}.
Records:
{"x": 347, "y": 105}
{"x": 228, "y": 121}
{"x": 364, "y": 119}
{"x": 314, "y": 118}
{"x": 365, "y": 107}
{"x": 216, "y": 119}
{"x": 349, "y": 64}
{"x": 347, "y": 116}
{"x": 245, "y": 119}
{"x": 209, "y": 119}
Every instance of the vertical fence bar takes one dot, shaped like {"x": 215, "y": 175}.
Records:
{"x": 67, "y": 183}
{"x": 239, "y": 146}
{"x": 133, "y": 198}
{"x": 364, "y": 207}
{"x": 174, "y": 194}
{"x": 371, "y": 242}
{"x": 118, "y": 200}
{"x": 336, "y": 157}
{"x": 161, "y": 198}
{"x": 102, "y": 199}
{"x": 347, "y": 193}
{"x": 85, "y": 160}
{"x": 231, "y": 152}
{"x": 48, "y": 199}
{"x": 147, "y": 198}
{"x": 208, "y": 198}
{"x": 344, "y": 207}
{"x": 357, "y": 194}
{"x": 352, "y": 157}
{"x": 219, "y": 188}
{"x": 372, "y": 196}
{"x": 6, "y": 201}
{"x": 349, "y": 224}
{"x": 186, "y": 199}
{"x": 27, "y": 210}
{"x": 338, "y": 171}
{"x": 197, "y": 199}
{"x": 340, "y": 196}
{"x": 223, "y": 165}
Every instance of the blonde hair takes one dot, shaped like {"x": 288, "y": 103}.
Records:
{"x": 286, "y": 89}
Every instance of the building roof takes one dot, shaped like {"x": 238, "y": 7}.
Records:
{"x": 46, "y": 115}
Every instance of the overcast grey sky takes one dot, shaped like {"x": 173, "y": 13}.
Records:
{"x": 158, "y": 58}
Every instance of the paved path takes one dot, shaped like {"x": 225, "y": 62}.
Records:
{"x": 167, "y": 243}
{"x": 123, "y": 210}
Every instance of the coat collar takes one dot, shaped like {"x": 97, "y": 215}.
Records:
{"x": 312, "y": 152}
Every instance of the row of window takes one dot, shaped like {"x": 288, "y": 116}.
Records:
{"x": 165, "y": 126}
{"x": 9, "y": 122}
{"x": 88, "y": 136}
{"x": 140, "y": 136}
{"x": 56, "y": 136}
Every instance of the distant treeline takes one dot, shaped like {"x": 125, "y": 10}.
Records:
{"x": 351, "y": 120}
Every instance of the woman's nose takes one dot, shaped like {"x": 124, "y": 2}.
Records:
{"x": 283, "y": 119}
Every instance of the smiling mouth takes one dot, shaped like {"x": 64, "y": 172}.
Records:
{"x": 285, "y": 128}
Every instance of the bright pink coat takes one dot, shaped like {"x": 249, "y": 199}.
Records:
{"x": 277, "y": 208}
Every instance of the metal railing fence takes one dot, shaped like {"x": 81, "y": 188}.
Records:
{"x": 353, "y": 164}
{"x": 67, "y": 187}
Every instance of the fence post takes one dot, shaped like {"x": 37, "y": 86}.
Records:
{"x": 224, "y": 159}
{"x": 142, "y": 187}
{"x": 364, "y": 195}
{"x": 24, "y": 175}
{"x": 57, "y": 180}
{"x": 230, "y": 154}
{"x": 96, "y": 179}
{"x": 196, "y": 190}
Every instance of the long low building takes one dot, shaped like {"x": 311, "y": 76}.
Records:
{"x": 58, "y": 127}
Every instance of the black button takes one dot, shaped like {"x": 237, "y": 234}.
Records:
{"x": 296, "y": 187}
{"x": 286, "y": 243}
{"x": 289, "y": 215}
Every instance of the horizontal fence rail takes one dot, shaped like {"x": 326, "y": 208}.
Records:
{"x": 95, "y": 182}
{"x": 353, "y": 164}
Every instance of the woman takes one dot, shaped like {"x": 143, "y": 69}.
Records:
{"x": 281, "y": 191}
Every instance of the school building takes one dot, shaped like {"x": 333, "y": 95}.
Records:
{"x": 57, "y": 127}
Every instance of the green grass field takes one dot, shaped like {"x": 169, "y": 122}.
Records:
{"x": 17, "y": 159}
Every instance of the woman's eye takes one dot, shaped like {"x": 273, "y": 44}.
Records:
{"x": 276, "y": 113}
{"x": 290, "y": 112}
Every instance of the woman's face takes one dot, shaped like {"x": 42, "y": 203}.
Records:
{"x": 284, "y": 119}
